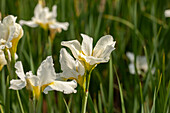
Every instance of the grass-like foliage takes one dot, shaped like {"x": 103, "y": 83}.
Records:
{"x": 138, "y": 27}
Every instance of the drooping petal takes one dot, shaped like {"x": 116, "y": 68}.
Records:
{"x": 74, "y": 46}
{"x": 65, "y": 87}
{"x": 28, "y": 23}
{"x": 59, "y": 25}
{"x": 132, "y": 68}
{"x": 19, "y": 70}
{"x": 102, "y": 44}
{"x": 17, "y": 84}
{"x": 68, "y": 64}
{"x": 131, "y": 56}
{"x": 87, "y": 45}
{"x": 46, "y": 71}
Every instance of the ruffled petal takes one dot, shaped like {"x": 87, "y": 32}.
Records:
{"x": 74, "y": 46}
{"x": 17, "y": 84}
{"x": 103, "y": 45}
{"x": 87, "y": 45}
{"x": 28, "y": 23}
{"x": 65, "y": 87}
{"x": 9, "y": 20}
{"x": 46, "y": 71}
{"x": 19, "y": 70}
{"x": 59, "y": 25}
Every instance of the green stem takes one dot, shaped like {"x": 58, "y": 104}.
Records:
{"x": 7, "y": 98}
{"x": 86, "y": 91}
{"x": 19, "y": 99}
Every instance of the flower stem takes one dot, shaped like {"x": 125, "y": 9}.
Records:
{"x": 7, "y": 98}
{"x": 86, "y": 91}
{"x": 19, "y": 99}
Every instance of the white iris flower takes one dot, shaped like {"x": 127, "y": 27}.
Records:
{"x": 141, "y": 64}
{"x": 10, "y": 32}
{"x": 44, "y": 81}
{"x": 85, "y": 52}
{"x": 46, "y": 19}
{"x": 72, "y": 69}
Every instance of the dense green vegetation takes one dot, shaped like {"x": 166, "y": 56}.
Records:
{"x": 138, "y": 26}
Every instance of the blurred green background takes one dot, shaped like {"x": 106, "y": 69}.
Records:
{"x": 138, "y": 26}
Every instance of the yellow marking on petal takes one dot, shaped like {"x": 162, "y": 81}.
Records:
{"x": 44, "y": 26}
{"x": 36, "y": 91}
{"x": 15, "y": 42}
{"x": 45, "y": 85}
{"x": 1, "y": 66}
{"x": 81, "y": 80}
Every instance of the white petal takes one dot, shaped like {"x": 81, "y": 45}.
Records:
{"x": 9, "y": 20}
{"x": 141, "y": 63}
{"x": 46, "y": 71}
{"x": 132, "y": 68}
{"x": 59, "y": 25}
{"x": 3, "y": 32}
{"x": 68, "y": 64}
{"x": 102, "y": 45}
{"x": 65, "y": 87}
{"x": 34, "y": 80}
{"x": 106, "y": 53}
{"x": 17, "y": 84}
{"x": 167, "y": 13}
{"x": 54, "y": 11}
{"x": 131, "y": 56}
{"x": 28, "y": 23}
{"x": 19, "y": 70}
{"x": 11, "y": 31}
{"x": 74, "y": 46}
{"x": 18, "y": 31}
{"x": 2, "y": 58}
{"x": 93, "y": 60}
{"x": 38, "y": 9}
{"x": 87, "y": 45}
{"x": 80, "y": 68}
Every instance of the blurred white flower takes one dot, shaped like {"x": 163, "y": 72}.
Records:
{"x": 45, "y": 18}
{"x": 44, "y": 81}
{"x": 72, "y": 69}
{"x": 100, "y": 53}
{"x": 167, "y": 13}
{"x": 141, "y": 64}
{"x": 10, "y": 32}
{"x": 3, "y": 60}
